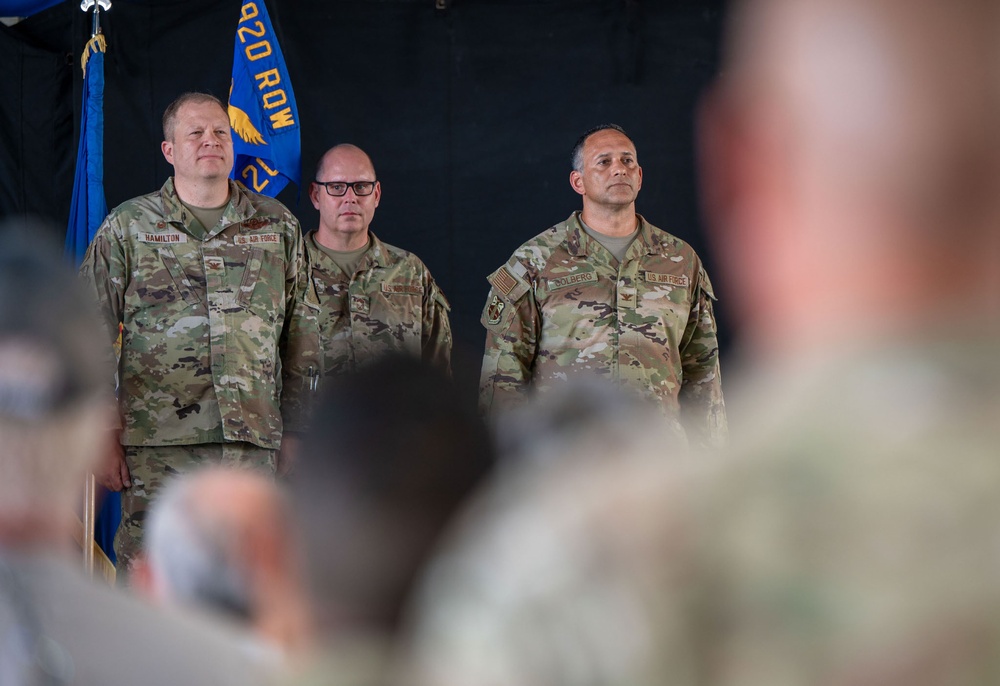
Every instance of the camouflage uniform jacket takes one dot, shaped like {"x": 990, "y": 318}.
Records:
{"x": 203, "y": 320}
{"x": 390, "y": 304}
{"x": 563, "y": 305}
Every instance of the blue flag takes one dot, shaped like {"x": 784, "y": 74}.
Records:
{"x": 87, "y": 211}
{"x": 262, "y": 111}
{"x": 89, "y": 207}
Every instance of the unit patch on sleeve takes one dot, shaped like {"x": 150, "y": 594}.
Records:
{"x": 495, "y": 310}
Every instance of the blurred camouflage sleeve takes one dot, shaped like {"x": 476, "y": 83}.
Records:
{"x": 435, "y": 329}
{"x": 703, "y": 408}
{"x": 300, "y": 351}
{"x": 104, "y": 275}
{"x": 513, "y": 326}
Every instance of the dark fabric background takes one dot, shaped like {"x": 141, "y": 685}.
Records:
{"x": 469, "y": 112}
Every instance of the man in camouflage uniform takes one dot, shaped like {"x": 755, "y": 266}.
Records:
{"x": 368, "y": 298}
{"x": 849, "y": 538}
{"x": 607, "y": 293}
{"x": 202, "y": 276}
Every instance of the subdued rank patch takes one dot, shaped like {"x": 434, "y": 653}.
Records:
{"x": 404, "y": 288}
{"x": 214, "y": 263}
{"x": 503, "y": 281}
{"x": 571, "y": 280}
{"x": 360, "y": 304}
{"x": 495, "y": 310}
{"x": 626, "y": 297}
{"x": 162, "y": 238}
{"x": 670, "y": 279}
{"x": 256, "y": 238}
{"x": 255, "y": 223}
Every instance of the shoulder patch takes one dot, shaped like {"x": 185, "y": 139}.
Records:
{"x": 509, "y": 281}
{"x": 494, "y": 310}
{"x": 503, "y": 281}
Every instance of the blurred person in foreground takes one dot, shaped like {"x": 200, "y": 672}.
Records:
{"x": 223, "y": 541}
{"x": 392, "y": 452}
{"x": 548, "y": 576}
{"x": 851, "y": 158}
{"x": 57, "y": 627}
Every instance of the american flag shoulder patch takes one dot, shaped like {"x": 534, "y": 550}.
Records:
{"x": 503, "y": 281}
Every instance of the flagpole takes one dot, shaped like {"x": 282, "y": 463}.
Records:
{"x": 84, "y": 219}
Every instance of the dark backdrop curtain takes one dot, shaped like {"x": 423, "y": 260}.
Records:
{"x": 469, "y": 112}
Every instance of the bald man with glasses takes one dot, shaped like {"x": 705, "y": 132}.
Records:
{"x": 371, "y": 298}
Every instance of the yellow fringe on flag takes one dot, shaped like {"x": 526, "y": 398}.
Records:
{"x": 98, "y": 44}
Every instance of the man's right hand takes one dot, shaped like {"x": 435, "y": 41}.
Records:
{"x": 115, "y": 474}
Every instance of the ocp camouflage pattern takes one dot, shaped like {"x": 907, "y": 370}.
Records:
{"x": 562, "y": 305}
{"x": 391, "y": 304}
{"x": 205, "y": 321}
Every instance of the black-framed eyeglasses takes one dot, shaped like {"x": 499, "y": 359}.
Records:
{"x": 339, "y": 188}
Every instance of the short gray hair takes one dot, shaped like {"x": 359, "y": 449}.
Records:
{"x": 576, "y": 157}
{"x": 170, "y": 114}
{"x": 192, "y": 552}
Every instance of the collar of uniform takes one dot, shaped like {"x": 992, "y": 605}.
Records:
{"x": 378, "y": 253}
{"x": 579, "y": 244}
{"x": 647, "y": 238}
{"x": 577, "y": 240}
{"x": 238, "y": 209}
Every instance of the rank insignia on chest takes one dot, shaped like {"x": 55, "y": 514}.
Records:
{"x": 360, "y": 304}
{"x": 214, "y": 264}
{"x": 495, "y": 310}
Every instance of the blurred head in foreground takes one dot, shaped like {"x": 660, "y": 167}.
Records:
{"x": 851, "y": 158}
{"x": 53, "y": 405}
{"x": 851, "y": 151}
{"x": 851, "y": 169}
{"x": 393, "y": 451}
{"x": 56, "y": 625}
{"x": 550, "y": 576}
{"x": 223, "y": 541}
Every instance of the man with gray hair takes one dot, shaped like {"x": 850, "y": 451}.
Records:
{"x": 55, "y": 625}
{"x": 607, "y": 294}
{"x": 851, "y": 159}
{"x": 223, "y": 541}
